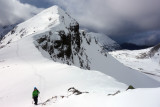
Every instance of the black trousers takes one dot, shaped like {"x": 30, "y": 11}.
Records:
{"x": 35, "y": 100}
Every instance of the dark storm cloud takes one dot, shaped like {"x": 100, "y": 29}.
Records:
{"x": 13, "y": 11}
{"x": 147, "y": 38}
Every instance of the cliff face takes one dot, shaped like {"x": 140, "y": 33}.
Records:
{"x": 67, "y": 46}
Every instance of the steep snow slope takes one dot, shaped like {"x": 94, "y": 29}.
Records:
{"x": 58, "y": 37}
{"x": 146, "y": 60}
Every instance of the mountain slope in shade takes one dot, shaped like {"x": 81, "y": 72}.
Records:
{"x": 146, "y": 61}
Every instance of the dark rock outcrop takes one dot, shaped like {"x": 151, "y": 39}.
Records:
{"x": 66, "y": 48}
{"x": 154, "y": 50}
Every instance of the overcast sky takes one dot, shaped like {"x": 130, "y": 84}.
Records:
{"x": 136, "y": 21}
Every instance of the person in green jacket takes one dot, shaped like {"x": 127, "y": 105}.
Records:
{"x": 35, "y": 95}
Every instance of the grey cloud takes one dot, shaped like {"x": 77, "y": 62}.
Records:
{"x": 13, "y": 11}
{"x": 112, "y": 14}
{"x": 116, "y": 18}
{"x": 119, "y": 19}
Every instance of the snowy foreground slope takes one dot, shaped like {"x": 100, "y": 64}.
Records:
{"x": 146, "y": 61}
{"x": 22, "y": 67}
{"x": 27, "y": 59}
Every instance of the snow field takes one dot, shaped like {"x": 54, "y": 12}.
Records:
{"x": 25, "y": 67}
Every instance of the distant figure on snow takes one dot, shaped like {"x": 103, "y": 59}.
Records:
{"x": 35, "y": 95}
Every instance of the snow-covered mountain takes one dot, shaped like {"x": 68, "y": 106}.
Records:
{"x": 5, "y": 29}
{"x": 146, "y": 61}
{"x": 32, "y": 55}
{"x": 57, "y": 35}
